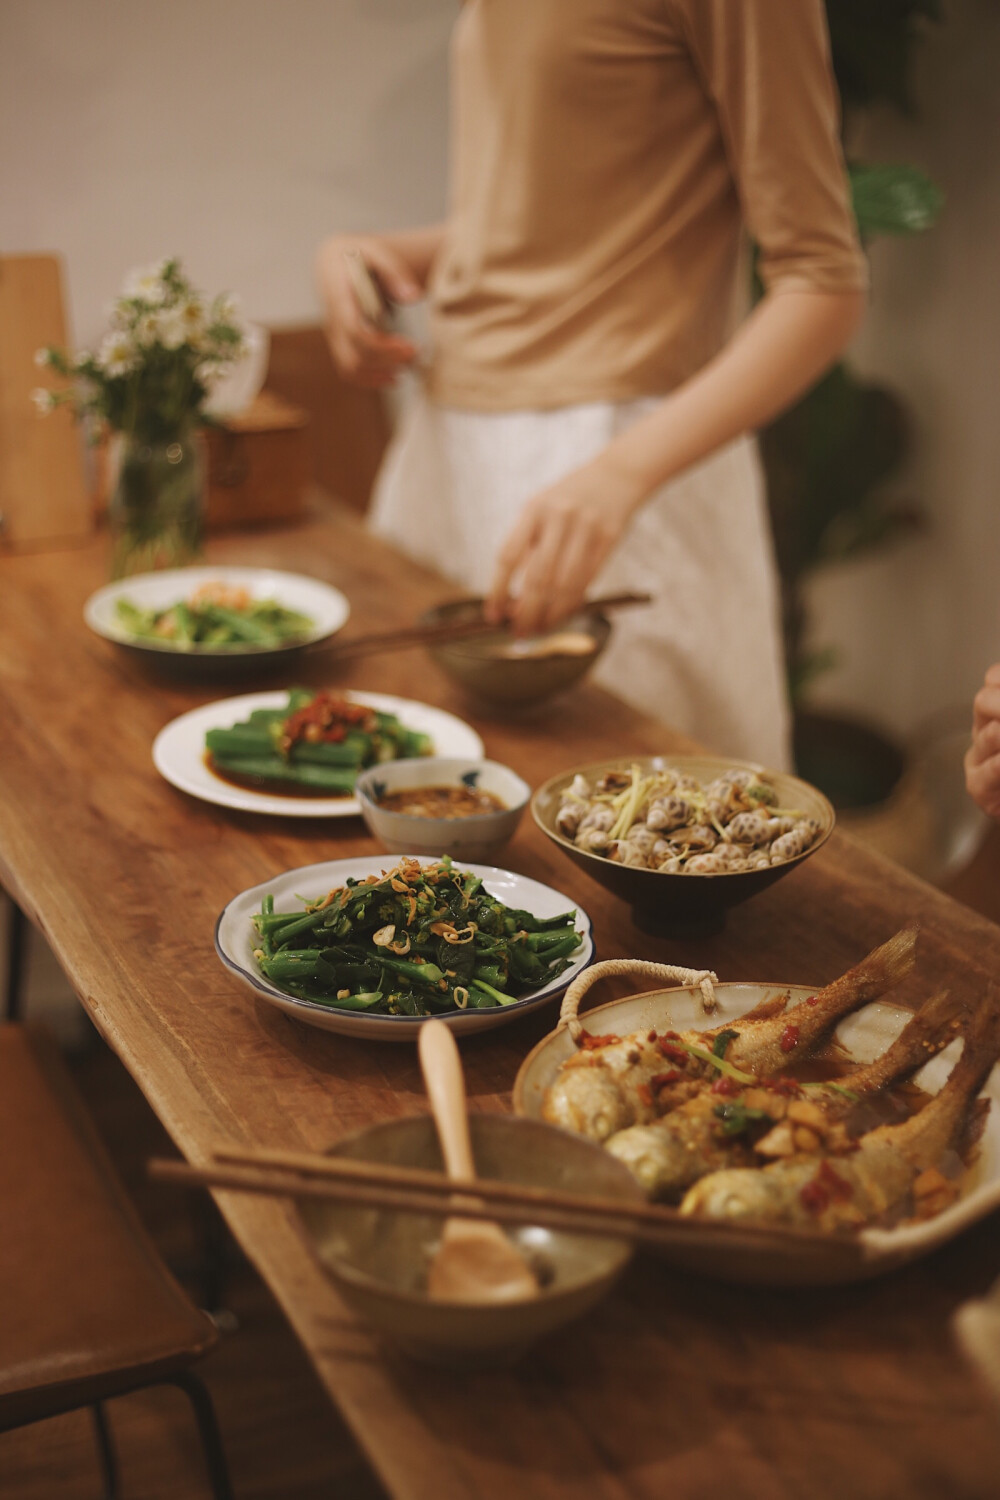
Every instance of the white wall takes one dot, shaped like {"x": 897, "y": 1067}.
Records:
{"x": 236, "y": 133}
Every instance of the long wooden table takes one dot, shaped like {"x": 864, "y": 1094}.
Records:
{"x": 676, "y": 1385}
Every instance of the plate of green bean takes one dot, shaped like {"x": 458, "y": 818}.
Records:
{"x": 369, "y": 947}
{"x": 209, "y": 621}
{"x": 232, "y": 752}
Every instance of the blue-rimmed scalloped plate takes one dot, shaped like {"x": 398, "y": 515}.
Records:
{"x": 235, "y": 940}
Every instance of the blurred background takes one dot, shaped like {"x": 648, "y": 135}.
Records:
{"x": 236, "y": 134}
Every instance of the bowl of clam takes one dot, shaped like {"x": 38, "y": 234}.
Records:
{"x": 683, "y": 838}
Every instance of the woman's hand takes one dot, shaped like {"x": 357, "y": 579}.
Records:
{"x": 982, "y": 759}
{"x": 558, "y": 544}
{"x": 363, "y": 352}
{"x": 564, "y": 535}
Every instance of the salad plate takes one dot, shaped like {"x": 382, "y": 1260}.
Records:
{"x": 325, "y": 608}
{"x": 236, "y": 938}
{"x": 179, "y": 752}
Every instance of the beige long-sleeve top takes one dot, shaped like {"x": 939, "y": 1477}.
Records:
{"x": 607, "y": 157}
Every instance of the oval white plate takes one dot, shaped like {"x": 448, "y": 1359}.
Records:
{"x": 235, "y": 939}
{"x": 326, "y": 606}
{"x": 866, "y": 1034}
{"x": 179, "y": 751}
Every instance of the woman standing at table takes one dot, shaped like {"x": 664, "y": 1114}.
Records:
{"x": 585, "y": 408}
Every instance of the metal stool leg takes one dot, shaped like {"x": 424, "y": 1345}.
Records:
{"x": 17, "y": 947}
{"x": 208, "y": 1429}
{"x": 106, "y": 1448}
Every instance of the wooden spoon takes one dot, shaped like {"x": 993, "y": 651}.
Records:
{"x": 475, "y": 1261}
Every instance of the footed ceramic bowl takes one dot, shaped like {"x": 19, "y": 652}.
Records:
{"x": 378, "y": 1258}
{"x": 681, "y": 905}
{"x": 477, "y": 837}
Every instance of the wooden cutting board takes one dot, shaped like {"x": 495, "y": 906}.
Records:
{"x": 43, "y": 492}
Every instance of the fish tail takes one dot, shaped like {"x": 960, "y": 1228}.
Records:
{"x": 982, "y": 1047}
{"x": 886, "y": 966}
{"x": 882, "y": 969}
{"x": 935, "y": 1024}
{"x": 941, "y": 1122}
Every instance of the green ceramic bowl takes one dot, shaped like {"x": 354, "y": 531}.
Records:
{"x": 481, "y": 667}
{"x": 378, "y": 1258}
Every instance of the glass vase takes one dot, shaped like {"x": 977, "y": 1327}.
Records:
{"x": 156, "y": 507}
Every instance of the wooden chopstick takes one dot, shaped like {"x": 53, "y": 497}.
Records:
{"x": 413, "y": 1190}
{"x": 451, "y": 630}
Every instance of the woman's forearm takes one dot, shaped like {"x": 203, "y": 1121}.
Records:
{"x": 564, "y": 534}
{"x": 781, "y": 350}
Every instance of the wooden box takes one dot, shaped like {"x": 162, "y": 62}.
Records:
{"x": 258, "y": 465}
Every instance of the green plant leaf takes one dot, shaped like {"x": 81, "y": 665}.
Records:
{"x": 893, "y": 199}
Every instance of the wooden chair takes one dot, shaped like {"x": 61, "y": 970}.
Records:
{"x": 88, "y": 1310}
{"x": 348, "y": 427}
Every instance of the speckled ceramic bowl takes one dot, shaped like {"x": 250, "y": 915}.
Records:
{"x": 378, "y": 1258}
{"x": 482, "y": 668}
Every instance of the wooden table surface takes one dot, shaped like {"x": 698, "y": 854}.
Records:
{"x": 677, "y": 1385}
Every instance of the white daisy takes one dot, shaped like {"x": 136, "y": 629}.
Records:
{"x": 44, "y": 401}
{"x": 192, "y": 314}
{"x": 226, "y": 308}
{"x": 147, "y": 284}
{"x": 149, "y": 329}
{"x": 173, "y": 330}
{"x": 43, "y": 357}
{"x": 116, "y": 355}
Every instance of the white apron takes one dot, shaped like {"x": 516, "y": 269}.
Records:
{"x": 706, "y": 656}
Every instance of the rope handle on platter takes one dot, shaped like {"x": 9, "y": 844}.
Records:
{"x": 705, "y": 979}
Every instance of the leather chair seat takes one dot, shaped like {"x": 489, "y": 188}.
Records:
{"x": 88, "y": 1310}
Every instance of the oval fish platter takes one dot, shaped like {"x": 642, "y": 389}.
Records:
{"x": 866, "y": 1034}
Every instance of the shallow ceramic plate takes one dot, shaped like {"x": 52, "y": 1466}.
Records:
{"x": 179, "y": 751}
{"x": 235, "y": 939}
{"x": 324, "y": 605}
{"x": 865, "y": 1035}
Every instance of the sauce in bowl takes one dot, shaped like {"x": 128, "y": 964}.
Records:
{"x": 442, "y": 802}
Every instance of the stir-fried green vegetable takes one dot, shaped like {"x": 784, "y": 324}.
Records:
{"x": 411, "y": 942}
{"x": 186, "y": 626}
{"x": 318, "y": 741}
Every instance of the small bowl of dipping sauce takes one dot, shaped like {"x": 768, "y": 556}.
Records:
{"x": 430, "y": 805}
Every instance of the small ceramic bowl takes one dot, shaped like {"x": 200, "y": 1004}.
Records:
{"x": 681, "y": 905}
{"x": 499, "y": 669}
{"x": 378, "y": 1258}
{"x": 477, "y": 837}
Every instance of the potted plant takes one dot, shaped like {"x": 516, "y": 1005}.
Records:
{"x": 827, "y": 460}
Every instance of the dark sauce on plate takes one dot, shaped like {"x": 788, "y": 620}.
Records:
{"x": 272, "y": 788}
